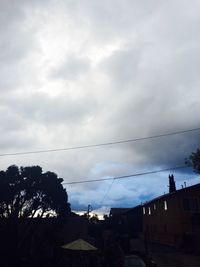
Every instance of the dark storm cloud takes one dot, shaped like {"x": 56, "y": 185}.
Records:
{"x": 152, "y": 100}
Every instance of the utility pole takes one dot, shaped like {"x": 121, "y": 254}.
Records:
{"x": 89, "y": 209}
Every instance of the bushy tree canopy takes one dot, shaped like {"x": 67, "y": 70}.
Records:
{"x": 194, "y": 160}
{"x": 28, "y": 192}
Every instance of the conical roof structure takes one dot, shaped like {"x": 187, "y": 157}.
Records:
{"x": 79, "y": 244}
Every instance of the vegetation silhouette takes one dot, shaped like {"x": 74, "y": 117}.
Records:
{"x": 27, "y": 194}
{"x": 194, "y": 161}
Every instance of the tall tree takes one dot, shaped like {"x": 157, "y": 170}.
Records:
{"x": 28, "y": 192}
{"x": 194, "y": 160}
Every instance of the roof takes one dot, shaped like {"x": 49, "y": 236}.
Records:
{"x": 79, "y": 244}
{"x": 133, "y": 209}
{"x": 182, "y": 190}
{"x": 118, "y": 211}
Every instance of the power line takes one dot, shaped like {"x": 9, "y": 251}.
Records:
{"x": 126, "y": 176}
{"x": 98, "y": 145}
{"x": 107, "y": 192}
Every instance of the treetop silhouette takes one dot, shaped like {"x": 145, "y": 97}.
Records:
{"x": 27, "y": 192}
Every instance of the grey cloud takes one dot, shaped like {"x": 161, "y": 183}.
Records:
{"x": 11, "y": 12}
{"x": 17, "y": 36}
{"x": 113, "y": 19}
{"x": 177, "y": 29}
{"x": 41, "y": 108}
{"x": 122, "y": 67}
{"x": 16, "y": 44}
{"x": 16, "y": 76}
{"x": 155, "y": 99}
{"x": 146, "y": 86}
{"x": 72, "y": 68}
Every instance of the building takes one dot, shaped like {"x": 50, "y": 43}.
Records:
{"x": 126, "y": 225}
{"x": 127, "y": 220}
{"x": 116, "y": 217}
{"x": 133, "y": 221}
{"x": 174, "y": 218}
{"x": 117, "y": 212}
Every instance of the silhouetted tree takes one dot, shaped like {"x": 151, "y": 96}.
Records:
{"x": 94, "y": 218}
{"x": 26, "y": 192}
{"x": 106, "y": 217}
{"x": 194, "y": 160}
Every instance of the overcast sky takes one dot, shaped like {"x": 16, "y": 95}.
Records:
{"x": 75, "y": 73}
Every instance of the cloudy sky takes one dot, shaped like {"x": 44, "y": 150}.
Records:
{"x": 82, "y": 72}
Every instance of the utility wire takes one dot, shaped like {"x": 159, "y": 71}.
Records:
{"x": 98, "y": 145}
{"x": 126, "y": 176}
{"x": 107, "y": 192}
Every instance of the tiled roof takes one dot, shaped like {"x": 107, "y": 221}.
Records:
{"x": 172, "y": 194}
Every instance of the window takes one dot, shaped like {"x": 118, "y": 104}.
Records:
{"x": 154, "y": 206}
{"x": 149, "y": 209}
{"x": 144, "y": 210}
{"x": 165, "y": 205}
{"x": 190, "y": 204}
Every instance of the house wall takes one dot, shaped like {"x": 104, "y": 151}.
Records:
{"x": 133, "y": 221}
{"x": 169, "y": 225}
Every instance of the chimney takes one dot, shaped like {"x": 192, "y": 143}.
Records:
{"x": 172, "y": 186}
